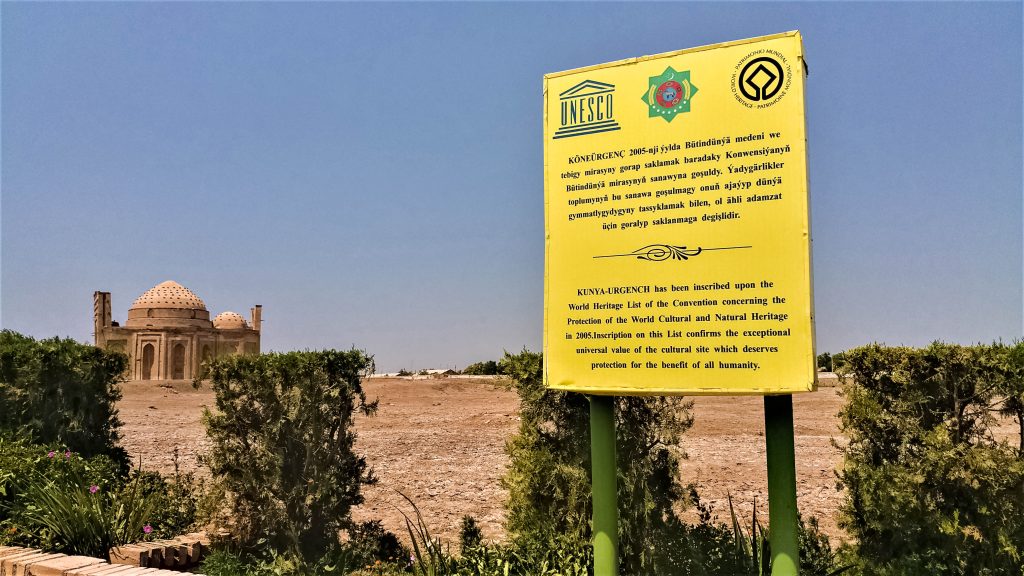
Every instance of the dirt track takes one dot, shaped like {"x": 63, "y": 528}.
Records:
{"x": 441, "y": 442}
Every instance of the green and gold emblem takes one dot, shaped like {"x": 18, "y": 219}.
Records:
{"x": 669, "y": 94}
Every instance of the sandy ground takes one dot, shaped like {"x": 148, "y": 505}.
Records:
{"x": 441, "y": 442}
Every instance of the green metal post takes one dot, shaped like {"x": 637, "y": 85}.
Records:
{"x": 782, "y": 523}
{"x": 603, "y": 486}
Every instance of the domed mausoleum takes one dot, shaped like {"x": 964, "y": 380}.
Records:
{"x": 169, "y": 334}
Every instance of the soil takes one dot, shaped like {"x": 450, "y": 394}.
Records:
{"x": 441, "y": 443}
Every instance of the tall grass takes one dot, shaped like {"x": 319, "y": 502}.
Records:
{"x": 429, "y": 559}
{"x": 753, "y": 547}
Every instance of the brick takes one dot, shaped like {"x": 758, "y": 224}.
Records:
{"x": 135, "y": 571}
{"x": 175, "y": 554}
{"x": 99, "y": 570}
{"x": 158, "y": 547}
{"x": 195, "y": 552}
{"x": 114, "y": 570}
{"x": 12, "y": 554}
{"x": 58, "y": 566}
{"x": 9, "y": 563}
{"x": 6, "y": 551}
{"x": 22, "y": 566}
{"x": 130, "y": 555}
{"x": 155, "y": 554}
{"x": 87, "y": 570}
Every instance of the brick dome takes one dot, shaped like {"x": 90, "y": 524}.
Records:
{"x": 168, "y": 305}
{"x": 169, "y": 294}
{"x": 229, "y": 321}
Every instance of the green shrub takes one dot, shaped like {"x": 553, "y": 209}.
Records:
{"x": 42, "y": 502}
{"x": 65, "y": 509}
{"x": 1011, "y": 390}
{"x": 57, "y": 391}
{"x": 488, "y": 368}
{"x": 549, "y": 471}
{"x": 20, "y": 459}
{"x": 816, "y": 554}
{"x": 223, "y": 562}
{"x": 929, "y": 490}
{"x": 179, "y": 502}
{"x": 470, "y": 535}
{"x": 369, "y": 543}
{"x": 282, "y": 440}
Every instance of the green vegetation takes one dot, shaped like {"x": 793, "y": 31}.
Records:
{"x": 549, "y": 471}
{"x": 75, "y": 517}
{"x": 488, "y": 368}
{"x": 54, "y": 499}
{"x": 934, "y": 475}
{"x": 282, "y": 447}
{"x": 57, "y": 391}
{"x": 64, "y": 483}
{"x": 930, "y": 487}
{"x": 831, "y": 362}
{"x": 549, "y": 504}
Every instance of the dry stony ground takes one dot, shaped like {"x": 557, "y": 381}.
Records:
{"x": 441, "y": 442}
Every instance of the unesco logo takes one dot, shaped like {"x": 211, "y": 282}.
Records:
{"x": 586, "y": 108}
{"x": 761, "y": 79}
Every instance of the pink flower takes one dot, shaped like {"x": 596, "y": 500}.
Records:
{"x": 147, "y": 529}
{"x": 67, "y": 453}
{"x": 94, "y": 489}
{"x": 51, "y": 454}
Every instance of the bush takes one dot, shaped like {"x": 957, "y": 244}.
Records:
{"x": 470, "y": 535}
{"x": 825, "y": 362}
{"x": 1012, "y": 390}
{"x": 20, "y": 459}
{"x": 65, "y": 503}
{"x": 58, "y": 391}
{"x": 283, "y": 446}
{"x": 369, "y": 543}
{"x": 182, "y": 502}
{"x": 549, "y": 471}
{"x": 488, "y": 368}
{"x": 929, "y": 489}
{"x": 229, "y": 563}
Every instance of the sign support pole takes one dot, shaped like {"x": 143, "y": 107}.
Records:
{"x": 782, "y": 521}
{"x": 604, "y": 486}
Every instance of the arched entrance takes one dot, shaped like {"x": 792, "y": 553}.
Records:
{"x": 178, "y": 362}
{"x": 148, "y": 355}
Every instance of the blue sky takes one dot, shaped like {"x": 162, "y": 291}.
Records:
{"x": 372, "y": 173}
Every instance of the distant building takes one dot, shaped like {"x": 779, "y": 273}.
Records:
{"x": 169, "y": 334}
{"x": 440, "y": 372}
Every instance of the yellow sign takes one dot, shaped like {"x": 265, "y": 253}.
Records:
{"x": 676, "y": 208}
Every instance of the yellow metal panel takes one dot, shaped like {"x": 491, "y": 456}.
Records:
{"x": 677, "y": 223}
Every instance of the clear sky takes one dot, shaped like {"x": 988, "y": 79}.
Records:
{"x": 372, "y": 173}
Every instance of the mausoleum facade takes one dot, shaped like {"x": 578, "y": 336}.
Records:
{"x": 168, "y": 334}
